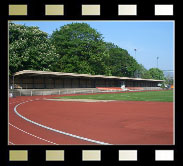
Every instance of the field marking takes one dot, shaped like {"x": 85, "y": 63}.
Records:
{"x": 55, "y": 130}
{"x": 11, "y": 143}
{"x": 32, "y": 135}
{"x": 18, "y": 101}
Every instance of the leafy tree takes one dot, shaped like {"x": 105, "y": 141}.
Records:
{"x": 120, "y": 62}
{"x": 169, "y": 80}
{"x": 81, "y": 49}
{"x": 143, "y": 72}
{"x": 156, "y": 73}
{"x": 74, "y": 48}
{"x": 29, "y": 49}
{"x": 147, "y": 75}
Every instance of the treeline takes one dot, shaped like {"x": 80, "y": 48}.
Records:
{"x": 75, "y": 48}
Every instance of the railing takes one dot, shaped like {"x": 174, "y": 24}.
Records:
{"x": 43, "y": 92}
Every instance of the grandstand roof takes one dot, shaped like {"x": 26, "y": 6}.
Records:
{"x": 49, "y": 73}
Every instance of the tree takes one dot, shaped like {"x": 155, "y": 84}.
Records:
{"x": 169, "y": 79}
{"x": 29, "y": 49}
{"x": 147, "y": 75}
{"x": 143, "y": 72}
{"x": 156, "y": 73}
{"x": 81, "y": 49}
{"x": 120, "y": 62}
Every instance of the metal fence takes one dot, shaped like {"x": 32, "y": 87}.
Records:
{"x": 43, "y": 92}
{"x": 33, "y": 92}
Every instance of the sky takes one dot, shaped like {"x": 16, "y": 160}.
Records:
{"x": 151, "y": 39}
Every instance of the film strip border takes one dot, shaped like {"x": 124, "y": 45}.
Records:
{"x": 91, "y": 10}
{"x": 61, "y": 9}
{"x": 87, "y": 9}
{"x": 90, "y": 155}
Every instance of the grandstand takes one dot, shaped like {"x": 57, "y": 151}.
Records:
{"x": 40, "y": 82}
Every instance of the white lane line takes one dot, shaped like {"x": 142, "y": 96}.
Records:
{"x": 55, "y": 130}
{"x": 11, "y": 143}
{"x": 18, "y": 101}
{"x": 32, "y": 135}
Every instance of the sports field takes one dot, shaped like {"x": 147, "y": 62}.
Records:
{"x": 162, "y": 96}
{"x": 109, "y": 120}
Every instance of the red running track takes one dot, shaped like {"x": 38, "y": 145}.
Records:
{"x": 117, "y": 122}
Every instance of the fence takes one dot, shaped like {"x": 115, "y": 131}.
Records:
{"x": 33, "y": 92}
{"x": 43, "y": 92}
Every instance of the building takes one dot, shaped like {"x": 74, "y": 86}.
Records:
{"x": 29, "y": 79}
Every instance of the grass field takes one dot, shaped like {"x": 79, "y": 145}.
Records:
{"x": 162, "y": 96}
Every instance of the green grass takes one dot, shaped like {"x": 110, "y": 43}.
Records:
{"x": 163, "y": 96}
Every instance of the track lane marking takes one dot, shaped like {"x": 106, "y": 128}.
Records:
{"x": 25, "y": 131}
{"x": 32, "y": 135}
{"x": 11, "y": 143}
{"x": 55, "y": 130}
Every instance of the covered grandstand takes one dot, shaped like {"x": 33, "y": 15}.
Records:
{"x": 29, "y": 79}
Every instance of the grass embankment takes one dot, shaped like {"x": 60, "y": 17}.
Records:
{"x": 162, "y": 96}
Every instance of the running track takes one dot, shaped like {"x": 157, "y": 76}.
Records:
{"x": 117, "y": 122}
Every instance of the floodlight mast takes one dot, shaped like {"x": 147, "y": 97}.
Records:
{"x": 135, "y": 52}
{"x": 136, "y": 75}
{"x": 157, "y": 61}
